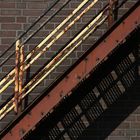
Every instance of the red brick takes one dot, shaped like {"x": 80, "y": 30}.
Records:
{"x": 124, "y": 125}
{"x": 7, "y": 34}
{"x": 21, "y": 19}
{"x": 13, "y": 26}
{"x": 7, "y": 40}
{"x": 7, "y": 5}
{"x": 138, "y": 117}
{"x": 21, "y": 5}
{"x": 37, "y": 5}
{"x": 10, "y": 12}
{"x": 32, "y": 12}
{"x": 135, "y": 125}
{"x": 6, "y": 19}
{"x": 135, "y": 138}
{"x": 119, "y": 132}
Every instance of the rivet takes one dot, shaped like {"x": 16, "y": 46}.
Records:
{"x": 136, "y": 22}
{"x": 29, "y": 113}
{"x": 61, "y": 94}
{"x": 97, "y": 59}
{"x": 78, "y": 77}
{"x": 21, "y": 131}
{"x": 67, "y": 77}
{"x": 10, "y": 133}
{"x": 86, "y": 59}
{"x": 42, "y": 113}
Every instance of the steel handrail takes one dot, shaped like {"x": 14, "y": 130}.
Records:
{"x": 31, "y": 26}
{"x": 46, "y": 71}
{"x": 4, "y": 111}
{"x": 50, "y": 44}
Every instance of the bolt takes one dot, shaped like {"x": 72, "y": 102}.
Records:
{"x": 66, "y": 76}
{"x": 10, "y": 133}
{"x": 29, "y": 113}
{"x": 136, "y": 22}
{"x": 42, "y": 113}
{"x": 61, "y": 94}
{"x": 97, "y": 59}
{"x": 78, "y": 77}
{"x": 21, "y": 132}
{"x": 86, "y": 59}
{"x": 123, "y": 22}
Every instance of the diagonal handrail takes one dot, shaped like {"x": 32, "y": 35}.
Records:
{"x": 46, "y": 39}
{"x": 50, "y": 44}
{"x": 61, "y": 56}
{"x": 24, "y": 33}
{"x": 85, "y": 29}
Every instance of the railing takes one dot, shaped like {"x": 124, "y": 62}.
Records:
{"x": 109, "y": 12}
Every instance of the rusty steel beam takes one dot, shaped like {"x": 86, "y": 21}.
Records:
{"x": 106, "y": 45}
{"x": 21, "y": 72}
{"x": 110, "y": 12}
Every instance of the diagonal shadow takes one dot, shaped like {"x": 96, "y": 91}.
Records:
{"x": 113, "y": 116}
{"x": 102, "y": 120}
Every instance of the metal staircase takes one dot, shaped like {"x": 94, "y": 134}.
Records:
{"x": 79, "y": 97}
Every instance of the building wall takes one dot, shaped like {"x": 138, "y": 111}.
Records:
{"x": 129, "y": 129}
{"x": 17, "y": 15}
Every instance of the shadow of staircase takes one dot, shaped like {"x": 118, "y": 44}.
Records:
{"x": 113, "y": 116}
{"x": 100, "y": 102}
{"x": 87, "y": 108}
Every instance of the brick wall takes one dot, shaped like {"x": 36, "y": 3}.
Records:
{"x": 17, "y": 15}
{"x": 129, "y": 129}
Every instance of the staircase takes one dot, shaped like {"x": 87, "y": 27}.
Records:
{"x": 80, "y": 98}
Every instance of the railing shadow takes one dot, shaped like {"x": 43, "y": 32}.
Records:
{"x": 100, "y": 102}
{"x": 112, "y": 117}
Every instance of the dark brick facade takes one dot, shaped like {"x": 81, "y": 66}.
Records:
{"x": 17, "y": 15}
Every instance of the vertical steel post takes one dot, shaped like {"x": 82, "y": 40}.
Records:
{"x": 110, "y": 16}
{"x": 113, "y": 11}
{"x": 19, "y": 68}
{"x": 16, "y": 77}
{"x": 21, "y": 77}
{"x": 116, "y": 10}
